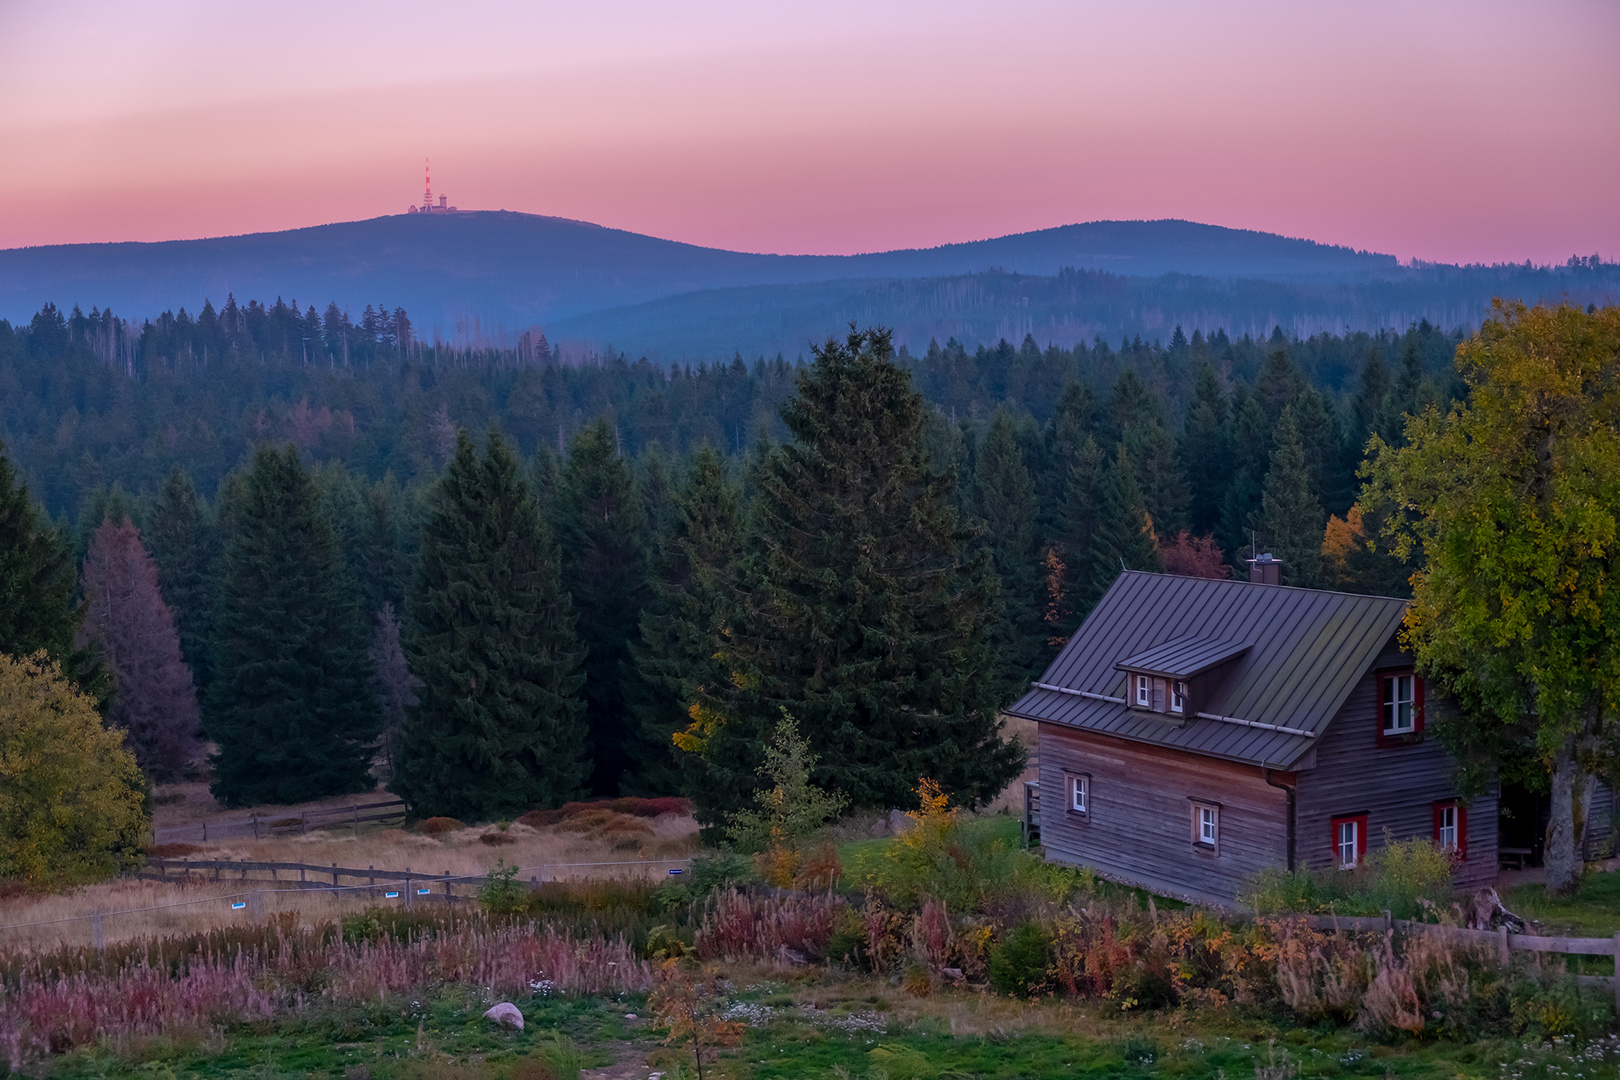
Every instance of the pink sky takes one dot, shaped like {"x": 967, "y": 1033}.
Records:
{"x": 1452, "y": 131}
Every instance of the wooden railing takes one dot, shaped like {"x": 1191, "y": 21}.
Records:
{"x": 257, "y": 826}
{"x": 1504, "y": 941}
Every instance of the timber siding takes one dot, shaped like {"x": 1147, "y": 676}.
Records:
{"x": 1139, "y": 824}
{"x": 1396, "y": 786}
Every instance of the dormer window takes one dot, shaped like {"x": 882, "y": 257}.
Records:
{"x": 1178, "y": 677}
{"x": 1178, "y": 697}
{"x": 1144, "y": 691}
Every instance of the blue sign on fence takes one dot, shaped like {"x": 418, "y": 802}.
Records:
{"x": 391, "y": 896}
{"x": 239, "y": 905}
{"x": 423, "y": 892}
{"x": 676, "y": 872}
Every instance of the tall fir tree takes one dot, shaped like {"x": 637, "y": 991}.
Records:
{"x": 600, "y": 528}
{"x": 696, "y": 567}
{"x": 130, "y": 628}
{"x": 383, "y": 565}
{"x": 37, "y": 579}
{"x": 498, "y": 725}
{"x": 859, "y": 612}
{"x": 1067, "y": 559}
{"x": 1291, "y": 518}
{"x": 292, "y": 709}
{"x": 1005, "y": 507}
{"x": 1122, "y": 538}
{"x": 1250, "y": 442}
{"x": 184, "y": 547}
{"x": 1205, "y": 456}
{"x": 1159, "y": 476}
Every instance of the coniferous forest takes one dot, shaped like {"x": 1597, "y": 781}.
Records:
{"x": 499, "y": 581}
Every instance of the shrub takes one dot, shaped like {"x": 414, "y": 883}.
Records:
{"x": 438, "y": 826}
{"x": 502, "y": 893}
{"x": 1400, "y": 877}
{"x": 1019, "y": 964}
{"x": 629, "y": 806}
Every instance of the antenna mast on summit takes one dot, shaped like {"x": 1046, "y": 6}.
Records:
{"x": 427, "y": 194}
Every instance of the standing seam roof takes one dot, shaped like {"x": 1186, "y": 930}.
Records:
{"x": 1297, "y": 654}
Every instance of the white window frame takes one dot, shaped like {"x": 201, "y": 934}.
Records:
{"x": 1394, "y": 703}
{"x": 1178, "y": 696}
{"x": 1144, "y": 691}
{"x": 1452, "y": 845}
{"x": 1079, "y": 793}
{"x": 1348, "y": 831}
{"x": 1206, "y": 825}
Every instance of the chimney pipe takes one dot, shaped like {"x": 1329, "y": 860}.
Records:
{"x": 1265, "y": 570}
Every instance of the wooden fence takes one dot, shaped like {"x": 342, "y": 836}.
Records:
{"x": 391, "y": 811}
{"x": 1504, "y": 941}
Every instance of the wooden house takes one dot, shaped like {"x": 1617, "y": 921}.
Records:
{"x": 1195, "y": 731}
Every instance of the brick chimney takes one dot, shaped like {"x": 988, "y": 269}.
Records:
{"x": 1265, "y": 570}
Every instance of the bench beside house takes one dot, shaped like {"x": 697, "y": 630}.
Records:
{"x": 1196, "y": 731}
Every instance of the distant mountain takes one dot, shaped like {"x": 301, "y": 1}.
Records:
{"x": 510, "y": 271}
{"x": 1065, "y": 309}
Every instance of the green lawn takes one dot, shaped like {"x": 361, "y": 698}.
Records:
{"x": 1593, "y": 912}
{"x": 821, "y": 1027}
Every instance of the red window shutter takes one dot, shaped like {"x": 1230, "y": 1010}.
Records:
{"x": 1417, "y": 712}
{"x": 1361, "y": 839}
{"x": 1434, "y": 829}
{"x": 1462, "y": 827}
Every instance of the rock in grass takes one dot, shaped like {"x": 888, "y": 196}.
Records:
{"x": 507, "y": 1015}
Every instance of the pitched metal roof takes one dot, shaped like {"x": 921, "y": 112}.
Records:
{"x": 1306, "y": 649}
{"x": 1183, "y": 657}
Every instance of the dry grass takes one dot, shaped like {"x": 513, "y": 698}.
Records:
{"x": 595, "y": 836}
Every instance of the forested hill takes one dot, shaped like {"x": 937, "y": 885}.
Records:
{"x": 515, "y": 270}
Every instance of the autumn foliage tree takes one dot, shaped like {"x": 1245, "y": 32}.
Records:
{"x": 1513, "y": 498}
{"x": 129, "y": 626}
{"x": 72, "y": 800}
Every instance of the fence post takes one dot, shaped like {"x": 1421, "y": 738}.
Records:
{"x": 255, "y": 826}
{"x": 216, "y": 869}
{"x": 1389, "y": 921}
{"x": 371, "y": 879}
{"x": 205, "y": 830}
{"x": 355, "y": 828}
{"x": 255, "y": 909}
{"x": 449, "y": 890}
{"x": 1502, "y": 945}
{"x": 244, "y": 868}
{"x": 407, "y": 888}
{"x": 98, "y": 937}
{"x": 334, "y": 875}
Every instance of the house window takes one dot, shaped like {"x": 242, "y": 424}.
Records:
{"x": 1349, "y": 841}
{"x": 1144, "y": 691}
{"x": 1400, "y": 699}
{"x": 1178, "y": 697}
{"x": 1206, "y": 825}
{"x": 1451, "y": 828}
{"x": 1079, "y": 794}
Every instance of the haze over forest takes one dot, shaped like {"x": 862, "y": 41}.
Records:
{"x": 485, "y": 278}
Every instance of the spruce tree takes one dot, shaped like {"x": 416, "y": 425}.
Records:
{"x": 859, "y": 611}
{"x": 1005, "y": 506}
{"x": 1122, "y": 538}
{"x": 292, "y": 708}
{"x": 1066, "y": 562}
{"x": 1291, "y": 517}
{"x": 154, "y": 702}
{"x": 696, "y": 564}
{"x": 1205, "y": 457}
{"x": 184, "y": 547}
{"x": 600, "y": 528}
{"x": 383, "y": 564}
{"x": 1250, "y": 441}
{"x": 497, "y": 728}
{"x": 37, "y": 579}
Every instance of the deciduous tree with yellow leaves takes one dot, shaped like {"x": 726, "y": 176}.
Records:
{"x": 73, "y": 802}
{"x": 1513, "y": 496}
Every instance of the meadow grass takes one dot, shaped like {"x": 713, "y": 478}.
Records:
{"x": 1592, "y": 912}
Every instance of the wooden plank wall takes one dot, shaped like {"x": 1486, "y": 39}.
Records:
{"x": 1395, "y": 786}
{"x": 1139, "y": 827}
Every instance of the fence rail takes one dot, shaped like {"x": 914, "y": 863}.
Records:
{"x": 1504, "y": 941}
{"x": 258, "y": 826}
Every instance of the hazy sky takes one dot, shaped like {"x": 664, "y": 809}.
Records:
{"x": 1454, "y": 131}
